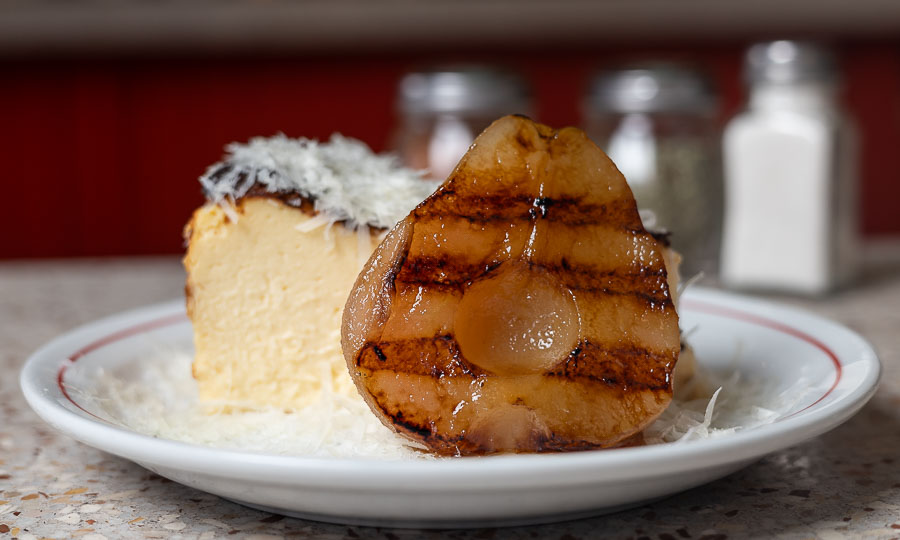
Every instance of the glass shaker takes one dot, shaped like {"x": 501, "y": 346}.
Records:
{"x": 442, "y": 110}
{"x": 791, "y": 174}
{"x": 657, "y": 123}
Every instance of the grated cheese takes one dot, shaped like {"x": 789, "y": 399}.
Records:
{"x": 345, "y": 180}
{"x": 158, "y": 397}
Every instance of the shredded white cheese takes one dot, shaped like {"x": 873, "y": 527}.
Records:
{"x": 158, "y": 397}
{"x": 737, "y": 404}
{"x": 345, "y": 180}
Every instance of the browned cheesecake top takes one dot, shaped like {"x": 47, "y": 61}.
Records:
{"x": 341, "y": 179}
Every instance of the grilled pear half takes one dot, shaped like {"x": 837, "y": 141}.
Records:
{"x": 522, "y": 307}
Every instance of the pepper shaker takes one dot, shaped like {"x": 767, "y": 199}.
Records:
{"x": 657, "y": 123}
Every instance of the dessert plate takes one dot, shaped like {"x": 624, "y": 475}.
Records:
{"x": 758, "y": 340}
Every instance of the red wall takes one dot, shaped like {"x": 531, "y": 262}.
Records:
{"x": 102, "y": 155}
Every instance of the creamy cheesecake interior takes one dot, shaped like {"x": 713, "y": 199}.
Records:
{"x": 265, "y": 294}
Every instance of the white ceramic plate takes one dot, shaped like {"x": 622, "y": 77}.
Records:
{"x": 777, "y": 344}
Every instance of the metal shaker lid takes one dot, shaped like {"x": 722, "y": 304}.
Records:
{"x": 652, "y": 87}
{"x": 789, "y": 62}
{"x": 464, "y": 89}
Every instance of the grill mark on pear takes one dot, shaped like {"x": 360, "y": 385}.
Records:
{"x": 628, "y": 366}
{"x": 452, "y": 275}
{"x": 512, "y": 207}
{"x": 436, "y": 357}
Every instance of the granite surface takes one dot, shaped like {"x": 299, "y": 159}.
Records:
{"x": 843, "y": 484}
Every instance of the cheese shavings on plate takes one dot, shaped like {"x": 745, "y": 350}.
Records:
{"x": 345, "y": 180}
{"x": 158, "y": 397}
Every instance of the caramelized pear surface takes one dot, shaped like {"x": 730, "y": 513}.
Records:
{"x": 520, "y": 308}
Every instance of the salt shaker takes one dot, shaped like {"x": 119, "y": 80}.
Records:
{"x": 791, "y": 176}
{"x": 657, "y": 123}
{"x": 442, "y": 110}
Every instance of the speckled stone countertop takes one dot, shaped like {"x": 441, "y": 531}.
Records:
{"x": 843, "y": 484}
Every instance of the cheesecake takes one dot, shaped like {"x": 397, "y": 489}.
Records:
{"x": 271, "y": 258}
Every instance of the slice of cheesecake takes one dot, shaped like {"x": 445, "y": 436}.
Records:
{"x": 271, "y": 259}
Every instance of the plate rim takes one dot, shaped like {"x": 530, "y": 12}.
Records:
{"x": 491, "y": 472}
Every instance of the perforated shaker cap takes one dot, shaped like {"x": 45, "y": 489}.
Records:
{"x": 789, "y": 62}
{"x": 464, "y": 89}
{"x": 651, "y": 87}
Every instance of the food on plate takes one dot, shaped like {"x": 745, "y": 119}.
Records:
{"x": 271, "y": 258}
{"x": 686, "y": 381}
{"x": 521, "y": 307}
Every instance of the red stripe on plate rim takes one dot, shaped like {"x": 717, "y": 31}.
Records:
{"x": 104, "y": 341}
{"x": 731, "y": 313}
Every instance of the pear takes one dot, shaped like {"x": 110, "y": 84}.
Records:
{"x": 522, "y": 307}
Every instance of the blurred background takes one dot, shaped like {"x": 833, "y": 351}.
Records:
{"x": 112, "y": 109}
